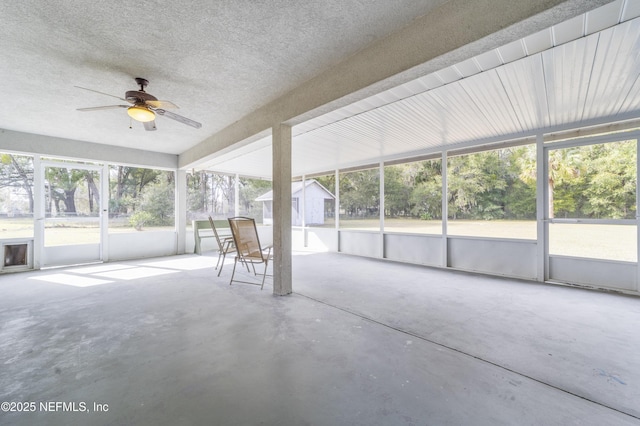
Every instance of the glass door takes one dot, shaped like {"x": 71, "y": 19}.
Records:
{"x": 72, "y": 221}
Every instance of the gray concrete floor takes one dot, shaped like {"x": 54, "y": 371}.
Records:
{"x": 360, "y": 342}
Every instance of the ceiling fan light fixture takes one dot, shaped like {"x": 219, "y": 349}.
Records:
{"x": 141, "y": 113}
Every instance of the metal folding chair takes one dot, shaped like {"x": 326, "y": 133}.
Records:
{"x": 225, "y": 245}
{"x": 248, "y": 248}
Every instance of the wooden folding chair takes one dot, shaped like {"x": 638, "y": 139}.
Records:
{"x": 248, "y": 248}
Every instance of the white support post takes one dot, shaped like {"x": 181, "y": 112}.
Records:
{"x": 236, "y": 194}
{"x": 303, "y": 211}
{"x": 38, "y": 212}
{"x": 281, "y": 172}
{"x": 445, "y": 211}
{"x": 381, "y": 207}
{"x": 337, "y": 202}
{"x": 542, "y": 209}
{"x": 638, "y": 214}
{"x": 337, "y": 209}
{"x": 104, "y": 213}
{"x": 302, "y": 208}
{"x": 181, "y": 210}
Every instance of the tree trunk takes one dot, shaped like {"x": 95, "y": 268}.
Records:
{"x": 70, "y": 201}
{"x": 26, "y": 184}
{"x": 94, "y": 193}
{"x": 231, "y": 197}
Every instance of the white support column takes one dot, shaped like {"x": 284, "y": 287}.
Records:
{"x": 542, "y": 209}
{"x": 104, "y": 213}
{"x": 236, "y": 189}
{"x": 303, "y": 211}
{"x": 303, "y": 207}
{"x": 445, "y": 210}
{"x": 281, "y": 150}
{"x": 638, "y": 213}
{"x": 337, "y": 210}
{"x": 337, "y": 202}
{"x": 181, "y": 211}
{"x": 381, "y": 207}
{"x": 38, "y": 212}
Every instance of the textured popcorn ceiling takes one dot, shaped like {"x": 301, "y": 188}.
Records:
{"x": 217, "y": 60}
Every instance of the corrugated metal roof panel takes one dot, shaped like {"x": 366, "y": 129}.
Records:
{"x": 487, "y": 93}
{"x": 461, "y": 119}
{"x": 616, "y": 67}
{"x": 525, "y": 86}
{"x": 567, "y": 72}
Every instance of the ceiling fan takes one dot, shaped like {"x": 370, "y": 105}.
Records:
{"x": 143, "y": 107}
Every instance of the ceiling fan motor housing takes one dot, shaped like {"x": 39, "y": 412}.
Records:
{"x": 137, "y": 97}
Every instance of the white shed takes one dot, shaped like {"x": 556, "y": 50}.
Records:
{"x": 314, "y": 209}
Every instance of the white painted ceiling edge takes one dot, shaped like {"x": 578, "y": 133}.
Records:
{"x": 399, "y": 123}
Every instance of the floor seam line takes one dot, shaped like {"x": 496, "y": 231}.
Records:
{"x": 426, "y": 339}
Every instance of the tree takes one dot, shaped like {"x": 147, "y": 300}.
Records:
{"x": 610, "y": 171}
{"x": 63, "y": 184}
{"x": 129, "y": 184}
{"x": 564, "y": 165}
{"x": 197, "y": 191}
{"x": 250, "y": 189}
{"x": 157, "y": 201}
{"x": 398, "y": 186}
{"x": 17, "y": 172}
{"x": 360, "y": 193}
{"x": 476, "y": 186}
{"x": 92, "y": 191}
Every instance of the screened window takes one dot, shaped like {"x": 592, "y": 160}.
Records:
{"x": 250, "y": 190}
{"x": 323, "y": 213}
{"x": 594, "y": 181}
{"x": 141, "y": 199}
{"x": 413, "y": 197}
{"x": 493, "y": 193}
{"x": 360, "y": 199}
{"x": 16, "y": 196}
{"x": 210, "y": 194}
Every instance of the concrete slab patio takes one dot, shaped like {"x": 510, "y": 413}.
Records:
{"x": 360, "y": 342}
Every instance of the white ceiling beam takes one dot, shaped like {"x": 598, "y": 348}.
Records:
{"x": 29, "y": 143}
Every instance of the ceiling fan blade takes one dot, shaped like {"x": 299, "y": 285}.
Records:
{"x": 179, "y": 118}
{"x": 150, "y": 125}
{"x": 102, "y": 93}
{"x": 163, "y": 104}
{"x": 102, "y": 107}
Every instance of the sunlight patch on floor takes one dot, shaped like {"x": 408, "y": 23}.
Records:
{"x": 183, "y": 264}
{"x": 135, "y": 273}
{"x": 71, "y": 280}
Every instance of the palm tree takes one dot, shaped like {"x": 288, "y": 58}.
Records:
{"x": 564, "y": 164}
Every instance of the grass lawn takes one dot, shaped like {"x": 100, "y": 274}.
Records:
{"x": 613, "y": 242}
